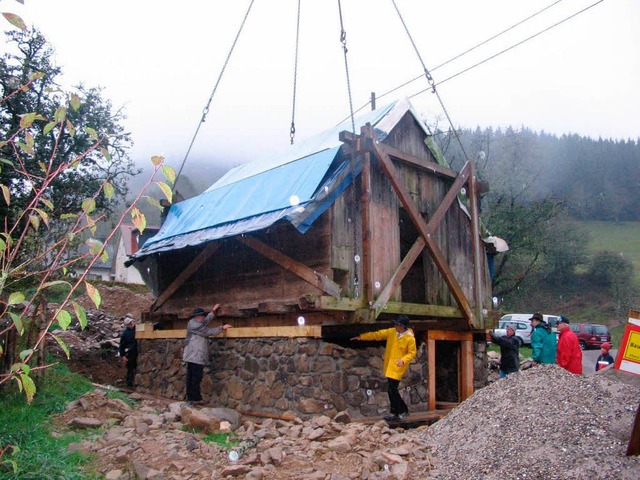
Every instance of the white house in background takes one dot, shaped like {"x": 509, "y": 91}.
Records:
{"x": 99, "y": 270}
{"x": 129, "y": 243}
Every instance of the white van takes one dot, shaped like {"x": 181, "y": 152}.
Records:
{"x": 522, "y": 325}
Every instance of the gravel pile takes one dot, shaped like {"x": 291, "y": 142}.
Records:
{"x": 541, "y": 423}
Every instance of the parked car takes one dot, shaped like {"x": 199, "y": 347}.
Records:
{"x": 522, "y": 325}
{"x": 591, "y": 335}
{"x": 522, "y": 328}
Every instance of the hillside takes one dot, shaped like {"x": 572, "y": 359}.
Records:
{"x": 618, "y": 237}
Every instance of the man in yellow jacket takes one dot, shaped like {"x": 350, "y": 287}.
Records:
{"x": 399, "y": 352}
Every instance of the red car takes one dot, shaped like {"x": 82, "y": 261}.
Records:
{"x": 591, "y": 335}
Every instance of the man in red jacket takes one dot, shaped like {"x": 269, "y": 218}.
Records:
{"x": 569, "y": 353}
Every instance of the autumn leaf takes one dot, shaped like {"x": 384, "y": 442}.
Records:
{"x": 15, "y": 20}
{"x": 166, "y": 189}
{"x": 15, "y": 298}
{"x": 169, "y": 173}
{"x": 94, "y": 294}
{"x": 80, "y": 314}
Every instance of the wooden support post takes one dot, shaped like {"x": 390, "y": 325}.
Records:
{"x": 476, "y": 246}
{"x": 365, "y": 206}
{"x": 431, "y": 373}
{"x": 466, "y": 368}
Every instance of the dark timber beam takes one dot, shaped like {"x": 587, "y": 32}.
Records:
{"x": 397, "y": 277}
{"x": 192, "y": 268}
{"x": 421, "y": 225}
{"x": 475, "y": 245}
{"x": 413, "y": 254}
{"x": 348, "y": 137}
{"x": 307, "y": 274}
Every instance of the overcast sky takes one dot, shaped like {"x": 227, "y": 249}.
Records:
{"x": 159, "y": 61}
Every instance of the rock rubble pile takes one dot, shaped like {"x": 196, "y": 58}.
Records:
{"x": 541, "y": 423}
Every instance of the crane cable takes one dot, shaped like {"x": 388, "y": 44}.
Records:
{"x": 343, "y": 41}
{"x": 478, "y": 45}
{"x": 388, "y": 92}
{"x": 205, "y": 111}
{"x": 512, "y": 46}
{"x": 292, "y": 131}
{"x": 355, "y": 293}
{"x": 432, "y": 83}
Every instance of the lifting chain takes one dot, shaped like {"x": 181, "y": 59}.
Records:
{"x": 292, "y": 131}
{"x": 343, "y": 41}
{"x": 432, "y": 84}
{"x": 205, "y": 111}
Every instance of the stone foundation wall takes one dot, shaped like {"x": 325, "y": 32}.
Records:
{"x": 303, "y": 376}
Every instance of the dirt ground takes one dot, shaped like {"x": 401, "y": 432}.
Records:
{"x": 541, "y": 424}
{"x": 98, "y": 362}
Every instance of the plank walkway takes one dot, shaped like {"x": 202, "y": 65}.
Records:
{"x": 414, "y": 420}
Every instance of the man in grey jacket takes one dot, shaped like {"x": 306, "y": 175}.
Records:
{"x": 196, "y": 349}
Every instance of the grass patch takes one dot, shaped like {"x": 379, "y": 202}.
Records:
{"x": 225, "y": 440}
{"x": 41, "y": 456}
{"x": 525, "y": 351}
{"x": 621, "y": 237}
{"x": 616, "y": 335}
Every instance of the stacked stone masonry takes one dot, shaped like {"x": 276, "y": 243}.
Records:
{"x": 302, "y": 376}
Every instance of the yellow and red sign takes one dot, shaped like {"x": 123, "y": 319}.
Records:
{"x": 628, "y": 358}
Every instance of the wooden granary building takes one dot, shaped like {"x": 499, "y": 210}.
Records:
{"x": 337, "y": 236}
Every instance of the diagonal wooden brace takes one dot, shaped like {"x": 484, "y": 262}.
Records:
{"x": 426, "y": 230}
{"x": 184, "y": 275}
{"x": 307, "y": 274}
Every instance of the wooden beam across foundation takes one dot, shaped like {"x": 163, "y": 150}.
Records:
{"x": 145, "y": 331}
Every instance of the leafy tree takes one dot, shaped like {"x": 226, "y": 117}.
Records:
{"x": 614, "y": 272}
{"x": 60, "y": 174}
{"x": 520, "y": 209}
{"x": 99, "y": 153}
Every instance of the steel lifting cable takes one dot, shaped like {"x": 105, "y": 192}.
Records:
{"x": 431, "y": 81}
{"x": 343, "y": 41}
{"x": 356, "y": 257}
{"x": 512, "y": 46}
{"x": 460, "y": 55}
{"x": 205, "y": 111}
{"x": 478, "y": 45}
{"x": 292, "y": 131}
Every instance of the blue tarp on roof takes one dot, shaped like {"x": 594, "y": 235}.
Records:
{"x": 253, "y": 196}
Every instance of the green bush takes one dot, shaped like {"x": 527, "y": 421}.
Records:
{"x": 609, "y": 268}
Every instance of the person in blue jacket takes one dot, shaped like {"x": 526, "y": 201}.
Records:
{"x": 544, "y": 343}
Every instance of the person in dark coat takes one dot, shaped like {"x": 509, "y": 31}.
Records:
{"x": 605, "y": 359}
{"x": 128, "y": 349}
{"x": 509, "y": 351}
{"x": 196, "y": 349}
